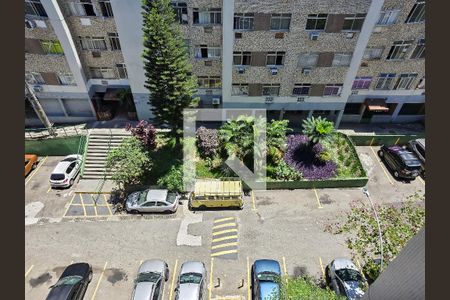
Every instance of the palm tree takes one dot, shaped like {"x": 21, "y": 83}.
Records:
{"x": 317, "y": 129}
{"x": 237, "y": 136}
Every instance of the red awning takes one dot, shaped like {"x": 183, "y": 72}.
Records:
{"x": 111, "y": 95}
{"x": 377, "y": 105}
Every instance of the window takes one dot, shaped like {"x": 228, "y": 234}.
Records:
{"x": 35, "y": 8}
{"x": 388, "y": 17}
{"x": 207, "y": 16}
{"x": 342, "y": 59}
{"x": 362, "y": 83}
{"x": 105, "y": 6}
{"x": 417, "y": 13}
{"x": 92, "y": 43}
{"x": 271, "y": 89}
{"x": 404, "y": 81}
{"x": 242, "y": 58}
{"x": 180, "y": 12}
{"x": 332, "y": 90}
{"x": 385, "y": 81}
{"x": 239, "y": 89}
{"x": 308, "y": 59}
{"x": 275, "y": 58}
{"x": 52, "y": 47}
{"x": 114, "y": 40}
{"x": 280, "y": 21}
{"x": 122, "y": 71}
{"x": 316, "y": 22}
{"x": 352, "y": 109}
{"x": 412, "y": 109}
{"x": 102, "y": 73}
{"x": 82, "y": 8}
{"x": 419, "y": 51}
{"x": 373, "y": 53}
{"x": 34, "y": 78}
{"x": 301, "y": 89}
{"x": 353, "y": 22}
{"x": 398, "y": 50}
{"x": 66, "y": 79}
{"x": 209, "y": 82}
{"x": 243, "y": 21}
{"x": 203, "y": 51}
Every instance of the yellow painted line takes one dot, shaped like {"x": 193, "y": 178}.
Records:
{"x": 109, "y": 208}
{"x": 317, "y": 198}
{"x": 421, "y": 180}
{"x": 284, "y": 267}
{"x": 231, "y": 224}
{"x": 35, "y": 171}
{"x": 224, "y": 245}
{"x": 29, "y": 270}
{"x": 70, "y": 203}
{"x": 100, "y": 205}
{"x": 224, "y": 231}
{"x": 49, "y": 189}
{"x": 224, "y": 252}
{"x": 223, "y": 219}
{"x": 321, "y": 267}
{"x": 95, "y": 210}
{"x": 82, "y": 203}
{"x": 371, "y": 141}
{"x": 173, "y": 279}
{"x": 379, "y": 162}
{"x": 99, "y": 281}
{"x": 396, "y": 142}
{"x": 249, "y": 292}
{"x": 359, "y": 265}
{"x": 140, "y": 263}
{"x": 211, "y": 277}
{"x": 230, "y": 237}
{"x": 253, "y": 201}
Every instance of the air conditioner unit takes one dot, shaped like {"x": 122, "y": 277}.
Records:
{"x": 269, "y": 99}
{"x": 208, "y": 92}
{"x": 96, "y": 54}
{"x": 306, "y": 71}
{"x": 364, "y": 64}
{"x": 30, "y": 23}
{"x": 313, "y": 36}
{"x": 208, "y": 63}
{"x": 349, "y": 35}
{"x": 104, "y": 82}
{"x": 377, "y": 29}
{"x": 273, "y": 71}
{"x": 215, "y": 101}
{"x": 208, "y": 29}
{"x": 241, "y": 70}
{"x": 238, "y": 35}
{"x": 300, "y": 99}
{"x": 38, "y": 88}
{"x": 355, "y": 92}
{"x": 279, "y": 35}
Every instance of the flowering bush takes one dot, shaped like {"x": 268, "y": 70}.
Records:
{"x": 145, "y": 133}
{"x": 307, "y": 160}
{"x": 207, "y": 141}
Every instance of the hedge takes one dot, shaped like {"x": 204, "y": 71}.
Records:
{"x": 54, "y": 146}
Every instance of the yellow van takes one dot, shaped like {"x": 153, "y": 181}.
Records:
{"x": 214, "y": 193}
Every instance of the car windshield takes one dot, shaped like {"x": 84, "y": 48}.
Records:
{"x": 57, "y": 176}
{"x": 349, "y": 275}
{"x": 171, "y": 197}
{"x": 190, "y": 278}
{"x": 267, "y": 276}
{"x": 142, "y": 197}
{"x": 70, "y": 159}
{"x": 148, "y": 277}
{"x": 69, "y": 280}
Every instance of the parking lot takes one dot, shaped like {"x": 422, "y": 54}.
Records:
{"x": 284, "y": 225}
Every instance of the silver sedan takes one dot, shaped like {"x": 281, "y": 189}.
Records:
{"x": 149, "y": 283}
{"x": 191, "y": 281}
{"x": 152, "y": 201}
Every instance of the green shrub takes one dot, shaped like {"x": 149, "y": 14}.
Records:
{"x": 173, "y": 180}
{"x": 285, "y": 172}
{"x": 305, "y": 288}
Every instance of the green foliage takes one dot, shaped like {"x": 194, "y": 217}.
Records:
{"x": 173, "y": 180}
{"x": 398, "y": 225}
{"x": 130, "y": 162}
{"x": 166, "y": 64}
{"x": 285, "y": 172}
{"x": 237, "y": 136}
{"x": 317, "y": 129}
{"x": 305, "y": 288}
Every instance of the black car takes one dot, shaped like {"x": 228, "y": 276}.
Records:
{"x": 418, "y": 148}
{"x": 403, "y": 163}
{"x": 72, "y": 284}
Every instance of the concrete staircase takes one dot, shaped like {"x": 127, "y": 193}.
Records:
{"x": 100, "y": 142}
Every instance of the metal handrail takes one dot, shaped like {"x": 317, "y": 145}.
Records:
{"x": 85, "y": 146}
{"x": 102, "y": 181}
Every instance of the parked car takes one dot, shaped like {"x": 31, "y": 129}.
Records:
{"x": 266, "y": 274}
{"x": 418, "y": 148}
{"x": 191, "y": 281}
{"x": 345, "y": 279}
{"x": 31, "y": 161}
{"x": 72, "y": 284}
{"x": 149, "y": 282}
{"x": 403, "y": 163}
{"x": 152, "y": 201}
{"x": 66, "y": 171}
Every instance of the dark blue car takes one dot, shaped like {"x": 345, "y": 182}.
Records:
{"x": 266, "y": 274}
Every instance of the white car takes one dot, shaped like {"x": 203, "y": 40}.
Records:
{"x": 150, "y": 200}
{"x": 66, "y": 171}
{"x": 191, "y": 281}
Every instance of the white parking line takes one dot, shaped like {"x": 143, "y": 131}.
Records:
{"x": 29, "y": 270}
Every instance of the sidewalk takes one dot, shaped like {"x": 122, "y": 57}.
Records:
{"x": 381, "y": 129}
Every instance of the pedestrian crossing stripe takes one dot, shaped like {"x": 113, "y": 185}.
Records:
{"x": 231, "y": 224}
{"x": 224, "y": 245}
{"x": 225, "y": 238}
{"x": 230, "y": 237}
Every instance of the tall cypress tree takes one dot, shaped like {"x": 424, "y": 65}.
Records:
{"x": 167, "y": 67}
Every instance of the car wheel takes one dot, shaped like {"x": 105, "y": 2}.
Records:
{"x": 202, "y": 207}
{"x": 167, "y": 274}
{"x": 90, "y": 276}
{"x": 380, "y": 153}
{"x": 71, "y": 182}
{"x": 34, "y": 166}
{"x": 327, "y": 275}
{"x": 167, "y": 212}
{"x": 134, "y": 212}
{"x": 396, "y": 175}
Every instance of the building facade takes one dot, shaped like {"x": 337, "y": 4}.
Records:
{"x": 350, "y": 61}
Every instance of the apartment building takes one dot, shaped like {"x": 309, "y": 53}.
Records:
{"x": 350, "y": 61}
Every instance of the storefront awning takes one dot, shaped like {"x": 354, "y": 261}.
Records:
{"x": 377, "y": 105}
{"x": 111, "y": 95}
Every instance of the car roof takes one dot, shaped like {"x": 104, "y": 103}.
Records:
{"x": 267, "y": 288}
{"x": 192, "y": 267}
{"x": 269, "y": 265}
{"x": 61, "y": 167}
{"x": 188, "y": 291}
{"x": 157, "y": 195}
{"x": 407, "y": 156}
{"x": 152, "y": 265}
{"x": 143, "y": 290}
{"x": 344, "y": 263}
{"x": 421, "y": 141}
